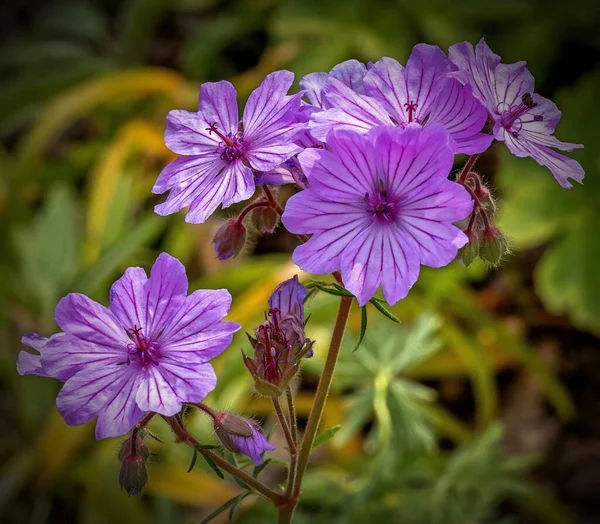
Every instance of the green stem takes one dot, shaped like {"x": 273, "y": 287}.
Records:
{"x": 184, "y": 436}
{"x": 286, "y": 512}
{"x": 293, "y": 458}
{"x": 284, "y": 426}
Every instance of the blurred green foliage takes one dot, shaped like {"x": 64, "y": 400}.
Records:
{"x": 85, "y": 88}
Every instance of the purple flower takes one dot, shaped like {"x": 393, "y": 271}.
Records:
{"x": 392, "y": 95}
{"x": 253, "y": 446}
{"x": 219, "y": 154}
{"x": 378, "y": 206}
{"x": 524, "y": 120}
{"x": 31, "y": 363}
{"x": 148, "y": 351}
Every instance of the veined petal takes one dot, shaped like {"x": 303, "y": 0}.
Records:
{"x": 197, "y": 330}
{"x": 414, "y": 157}
{"x": 346, "y": 175}
{"x": 351, "y": 73}
{"x": 29, "y": 363}
{"x": 165, "y": 387}
{"x": 269, "y": 155}
{"x": 351, "y": 111}
{"x": 65, "y": 355}
{"x": 89, "y": 321}
{"x": 288, "y": 298}
{"x": 386, "y": 82}
{"x": 313, "y": 85}
{"x": 309, "y": 212}
{"x": 562, "y": 167}
{"x": 186, "y": 134}
{"x": 129, "y": 300}
{"x": 107, "y": 392}
{"x": 240, "y": 183}
{"x": 463, "y": 116}
{"x": 218, "y": 104}
{"x": 476, "y": 67}
{"x": 268, "y": 107}
{"x": 441, "y": 200}
{"x": 166, "y": 290}
{"x": 183, "y": 171}
{"x": 512, "y": 82}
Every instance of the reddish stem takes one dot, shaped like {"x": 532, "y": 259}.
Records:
{"x": 250, "y": 207}
{"x": 467, "y": 167}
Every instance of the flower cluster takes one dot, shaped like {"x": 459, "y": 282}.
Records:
{"x": 370, "y": 150}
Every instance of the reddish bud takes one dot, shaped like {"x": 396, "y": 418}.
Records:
{"x": 133, "y": 475}
{"x": 264, "y": 219}
{"x": 229, "y": 239}
{"x": 228, "y": 426}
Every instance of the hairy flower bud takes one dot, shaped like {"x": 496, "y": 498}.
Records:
{"x": 492, "y": 245}
{"x": 240, "y": 435}
{"x": 264, "y": 219}
{"x": 229, "y": 239}
{"x": 133, "y": 475}
{"x": 133, "y": 455}
{"x": 469, "y": 251}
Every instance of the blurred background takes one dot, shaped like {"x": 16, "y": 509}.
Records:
{"x": 481, "y": 407}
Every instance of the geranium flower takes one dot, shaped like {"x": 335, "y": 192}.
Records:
{"x": 378, "y": 206}
{"x": 148, "y": 351}
{"x": 392, "y": 95}
{"x": 524, "y": 120}
{"x": 219, "y": 153}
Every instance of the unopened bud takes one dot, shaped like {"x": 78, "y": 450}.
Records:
{"x": 229, "y": 239}
{"x": 470, "y": 251}
{"x": 493, "y": 245}
{"x": 264, "y": 219}
{"x": 228, "y": 426}
{"x": 133, "y": 475}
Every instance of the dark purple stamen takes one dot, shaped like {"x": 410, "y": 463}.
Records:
{"x": 411, "y": 107}
{"x": 232, "y": 146}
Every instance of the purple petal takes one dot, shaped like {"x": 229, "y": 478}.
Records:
{"x": 269, "y": 111}
{"x": 269, "y": 155}
{"x": 279, "y": 176}
{"x": 309, "y": 212}
{"x": 186, "y": 134}
{"x": 412, "y": 158}
{"x": 376, "y": 254}
{"x": 313, "y": 85}
{"x": 288, "y": 298}
{"x": 197, "y": 332}
{"x": 253, "y": 446}
{"x": 240, "y": 184}
{"x": 106, "y": 392}
{"x": 186, "y": 170}
{"x": 457, "y": 110}
{"x": 65, "y": 355}
{"x": 218, "y": 104}
{"x": 166, "y": 291}
{"x": 167, "y": 385}
{"x": 478, "y": 69}
{"x": 562, "y": 167}
{"x": 351, "y": 73}
{"x": 346, "y": 175}
{"x": 87, "y": 320}
{"x": 28, "y": 363}
{"x": 129, "y": 300}
{"x": 351, "y": 111}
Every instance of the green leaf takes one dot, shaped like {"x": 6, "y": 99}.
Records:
{"x": 363, "y": 327}
{"x": 324, "y": 436}
{"x": 323, "y": 286}
{"x": 210, "y": 462}
{"x": 260, "y": 467}
{"x": 385, "y": 311}
{"x": 231, "y": 503}
{"x": 194, "y": 458}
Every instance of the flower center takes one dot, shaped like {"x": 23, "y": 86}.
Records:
{"x": 511, "y": 116}
{"x": 142, "y": 349}
{"x": 232, "y": 146}
{"x": 411, "y": 107}
{"x": 380, "y": 206}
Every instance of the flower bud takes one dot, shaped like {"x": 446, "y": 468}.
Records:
{"x": 493, "y": 245}
{"x": 252, "y": 443}
{"x": 469, "y": 251}
{"x": 229, "y": 239}
{"x": 264, "y": 219}
{"x": 133, "y": 475}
